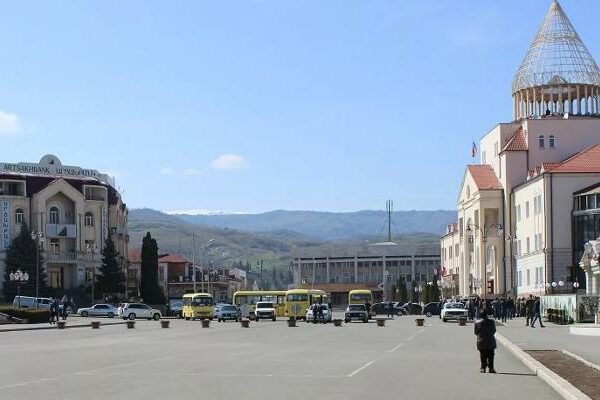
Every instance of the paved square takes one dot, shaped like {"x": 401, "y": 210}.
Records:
{"x": 268, "y": 360}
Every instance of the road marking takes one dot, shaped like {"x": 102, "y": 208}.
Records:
{"x": 422, "y": 330}
{"x": 356, "y": 371}
{"x": 410, "y": 337}
{"x": 581, "y": 359}
{"x": 396, "y": 347}
{"x": 123, "y": 365}
{"x": 28, "y": 383}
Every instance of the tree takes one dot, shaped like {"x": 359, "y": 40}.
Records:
{"x": 394, "y": 294}
{"x": 402, "y": 292}
{"x": 150, "y": 291}
{"x": 111, "y": 279}
{"x": 21, "y": 254}
{"x": 413, "y": 293}
{"x": 435, "y": 290}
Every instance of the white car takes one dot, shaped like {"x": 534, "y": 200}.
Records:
{"x": 327, "y": 317}
{"x": 98, "y": 310}
{"x": 453, "y": 311}
{"x": 264, "y": 310}
{"x": 138, "y": 310}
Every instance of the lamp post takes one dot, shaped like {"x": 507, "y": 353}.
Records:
{"x": 19, "y": 277}
{"x": 92, "y": 250}
{"x": 38, "y": 237}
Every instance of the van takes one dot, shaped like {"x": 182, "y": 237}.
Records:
{"x": 31, "y": 302}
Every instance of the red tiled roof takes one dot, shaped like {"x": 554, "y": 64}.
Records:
{"x": 484, "y": 176}
{"x": 587, "y": 160}
{"x": 135, "y": 256}
{"x": 518, "y": 142}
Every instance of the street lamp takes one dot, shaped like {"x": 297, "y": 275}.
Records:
{"x": 92, "y": 249}
{"x": 19, "y": 277}
{"x": 39, "y": 238}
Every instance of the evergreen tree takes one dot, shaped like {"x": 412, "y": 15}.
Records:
{"x": 111, "y": 280}
{"x": 402, "y": 292}
{"x": 150, "y": 291}
{"x": 435, "y": 290}
{"x": 413, "y": 293}
{"x": 21, "y": 254}
{"x": 394, "y": 295}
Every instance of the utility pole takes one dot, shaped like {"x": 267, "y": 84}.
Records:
{"x": 194, "y": 259}
{"x": 261, "y": 275}
{"x": 389, "y": 207}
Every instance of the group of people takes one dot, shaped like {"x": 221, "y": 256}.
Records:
{"x": 60, "y": 309}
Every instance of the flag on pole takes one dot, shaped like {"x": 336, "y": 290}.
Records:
{"x": 474, "y": 150}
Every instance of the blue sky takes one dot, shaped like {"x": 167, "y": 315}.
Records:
{"x": 259, "y": 105}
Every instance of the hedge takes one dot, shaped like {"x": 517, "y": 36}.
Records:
{"x": 32, "y": 316}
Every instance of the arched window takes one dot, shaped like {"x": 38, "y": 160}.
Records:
{"x": 551, "y": 142}
{"x": 19, "y": 216}
{"x": 54, "y": 216}
{"x": 490, "y": 256}
{"x": 541, "y": 141}
{"x": 89, "y": 219}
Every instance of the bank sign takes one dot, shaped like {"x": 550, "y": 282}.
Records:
{"x": 5, "y": 224}
{"x": 37, "y": 169}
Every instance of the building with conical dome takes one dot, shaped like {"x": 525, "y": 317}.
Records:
{"x": 522, "y": 223}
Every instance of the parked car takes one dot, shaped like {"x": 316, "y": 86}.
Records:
{"x": 175, "y": 307}
{"x": 382, "y": 309}
{"x": 413, "y": 308}
{"x": 227, "y": 312}
{"x": 138, "y": 310}
{"x": 432, "y": 309}
{"x": 327, "y": 313}
{"x": 31, "y": 302}
{"x": 356, "y": 312}
{"x": 99, "y": 310}
{"x": 453, "y": 311}
{"x": 264, "y": 310}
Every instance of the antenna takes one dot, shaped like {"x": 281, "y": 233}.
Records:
{"x": 389, "y": 208}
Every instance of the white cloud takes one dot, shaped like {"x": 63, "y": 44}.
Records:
{"x": 116, "y": 174}
{"x": 229, "y": 162}
{"x": 9, "y": 124}
{"x": 166, "y": 171}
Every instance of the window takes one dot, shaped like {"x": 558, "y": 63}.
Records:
{"x": 483, "y": 157}
{"x": 54, "y": 246}
{"x": 54, "y": 216}
{"x": 19, "y": 216}
{"x": 551, "y": 142}
{"x": 89, "y": 219}
{"x": 528, "y": 278}
{"x": 519, "y": 213}
{"x": 518, "y": 248}
{"x": 536, "y": 245}
{"x": 540, "y": 244}
{"x": 519, "y": 278}
{"x": 527, "y": 245}
{"x": 541, "y": 141}
{"x": 526, "y": 209}
{"x": 496, "y": 149}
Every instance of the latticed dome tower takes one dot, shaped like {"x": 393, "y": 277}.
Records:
{"x": 558, "y": 74}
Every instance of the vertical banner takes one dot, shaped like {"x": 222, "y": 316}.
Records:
{"x": 5, "y": 224}
{"x": 104, "y": 227}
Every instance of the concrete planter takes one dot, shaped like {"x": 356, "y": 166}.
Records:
{"x": 95, "y": 324}
{"x": 164, "y": 324}
{"x": 337, "y": 322}
{"x": 380, "y": 322}
{"x": 420, "y": 321}
{"x": 462, "y": 321}
{"x": 130, "y": 324}
{"x": 291, "y": 322}
{"x": 61, "y": 324}
{"x": 245, "y": 323}
{"x": 206, "y": 323}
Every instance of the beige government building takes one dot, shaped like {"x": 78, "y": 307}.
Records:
{"x": 71, "y": 209}
{"x": 527, "y": 210}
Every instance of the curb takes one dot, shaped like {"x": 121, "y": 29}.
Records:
{"x": 41, "y": 328}
{"x": 560, "y": 385}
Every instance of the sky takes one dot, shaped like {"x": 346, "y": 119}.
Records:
{"x": 250, "y": 106}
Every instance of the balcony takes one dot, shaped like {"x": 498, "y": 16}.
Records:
{"x": 61, "y": 230}
{"x": 64, "y": 256}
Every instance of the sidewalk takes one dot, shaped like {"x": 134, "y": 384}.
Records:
{"x": 552, "y": 337}
{"x": 72, "y": 322}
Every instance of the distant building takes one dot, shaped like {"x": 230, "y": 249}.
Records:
{"x": 74, "y": 209}
{"x": 338, "y": 270}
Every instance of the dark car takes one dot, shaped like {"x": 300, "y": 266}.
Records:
{"x": 413, "y": 308}
{"x": 382, "y": 309}
{"x": 432, "y": 309}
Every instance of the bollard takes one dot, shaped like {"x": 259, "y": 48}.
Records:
{"x": 164, "y": 323}
{"x": 205, "y": 323}
{"x": 420, "y": 321}
{"x": 245, "y": 323}
{"x": 291, "y": 322}
{"x": 95, "y": 324}
{"x": 61, "y": 324}
{"x": 380, "y": 321}
{"x": 130, "y": 324}
{"x": 337, "y": 322}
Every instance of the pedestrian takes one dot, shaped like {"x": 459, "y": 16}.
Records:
{"x": 510, "y": 308}
{"x": 485, "y": 329}
{"x": 53, "y": 311}
{"x": 390, "y": 308}
{"x": 529, "y": 305}
{"x": 537, "y": 313}
{"x": 368, "y": 307}
{"x": 503, "y": 309}
{"x": 65, "y": 304}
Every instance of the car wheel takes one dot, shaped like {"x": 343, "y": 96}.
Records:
{"x": 131, "y": 316}
{"x": 110, "y": 315}
{"x": 274, "y": 318}
{"x": 444, "y": 320}
{"x": 428, "y": 314}
{"x": 365, "y": 320}
{"x": 156, "y": 316}
{"x": 84, "y": 314}
{"x": 346, "y": 321}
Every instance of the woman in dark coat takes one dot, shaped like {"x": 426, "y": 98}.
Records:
{"x": 485, "y": 329}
